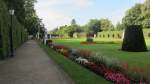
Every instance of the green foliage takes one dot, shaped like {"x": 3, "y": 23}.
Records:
{"x": 138, "y": 15}
{"x": 120, "y": 26}
{"x": 18, "y": 6}
{"x": 89, "y": 39}
{"x": 19, "y": 33}
{"x": 68, "y": 29}
{"x": 80, "y": 35}
{"x": 146, "y": 23}
{"x": 106, "y": 25}
{"x": 112, "y": 50}
{"x": 93, "y": 26}
{"x": 133, "y": 15}
{"x": 118, "y": 34}
{"x": 110, "y": 63}
{"x": 145, "y": 10}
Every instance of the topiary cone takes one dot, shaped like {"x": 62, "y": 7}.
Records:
{"x": 134, "y": 39}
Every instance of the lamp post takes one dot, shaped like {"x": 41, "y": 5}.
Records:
{"x": 11, "y": 11}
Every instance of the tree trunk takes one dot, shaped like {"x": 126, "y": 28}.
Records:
{"x": 134, "y": 39}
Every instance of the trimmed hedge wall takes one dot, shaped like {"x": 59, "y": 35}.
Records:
{"x": 19, "y": 33}
{"x": 119, "y": 34}
{"x": 110, "y": 34}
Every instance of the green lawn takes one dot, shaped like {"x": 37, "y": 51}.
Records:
{"x": 111, "y": 47}
{"x": 79, "y": 74}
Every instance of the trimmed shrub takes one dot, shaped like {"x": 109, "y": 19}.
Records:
{"x": 133, "y": 39}
{"x": 89, "y": 39}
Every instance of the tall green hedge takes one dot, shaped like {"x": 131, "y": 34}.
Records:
{"x": 110, "y": 34}
{"x": 119, "y": 34}
{"x": 19, "y": 33}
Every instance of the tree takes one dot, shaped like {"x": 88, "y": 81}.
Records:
{"x": 73, "y": 22}
{"x": 133, "y": 16}
{"x": 146, "y": 14}
{"x": 146, "y": 23}
{"x": 32, "y": 21}
{"x": 93, "y": 27}
{"x": 74, "y": 27}
{"x": 106, "y": 25}
{"x": 120, "y": 26}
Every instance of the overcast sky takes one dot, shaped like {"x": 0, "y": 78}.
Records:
{"x": 60, "y": 12}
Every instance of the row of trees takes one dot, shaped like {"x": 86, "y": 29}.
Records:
{"x": 137, "y": 15}
{"x": 92, "y": 27}
{"x": 26, "y": 14}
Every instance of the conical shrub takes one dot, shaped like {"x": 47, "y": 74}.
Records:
{"x": 134, "y": 39}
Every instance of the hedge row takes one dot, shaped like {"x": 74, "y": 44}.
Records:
{"x": 19, "y": 33}
{"x": 119, "y": 34}
{"x": 110, "y": 34}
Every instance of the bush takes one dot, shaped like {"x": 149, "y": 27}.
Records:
{"x": 110, "y": 63}
{"x": 89, "y": 39}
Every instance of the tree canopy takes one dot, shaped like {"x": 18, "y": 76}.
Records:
{"x": 106, "y": 24}
{"x": 138, "y": 15}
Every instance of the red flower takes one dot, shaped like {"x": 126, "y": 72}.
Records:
{"x": 87, "y": 42}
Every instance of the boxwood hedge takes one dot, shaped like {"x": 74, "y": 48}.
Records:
{"x": 119, "y": 34}
{"x": 19, "y": 33}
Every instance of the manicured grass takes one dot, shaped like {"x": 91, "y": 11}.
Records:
{"x": 79, "y": 74}
{"x": 111, "y": 47}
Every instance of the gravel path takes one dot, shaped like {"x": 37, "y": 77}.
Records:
{"x": 31, "y": 65}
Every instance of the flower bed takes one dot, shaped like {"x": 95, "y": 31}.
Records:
{"x": 111, "y": 69}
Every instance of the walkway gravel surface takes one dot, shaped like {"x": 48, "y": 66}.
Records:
{"x": 31, "y": 65}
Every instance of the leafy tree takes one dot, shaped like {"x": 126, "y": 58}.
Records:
{"x": 73, "y": 28}
{"x": 106, "y": 25}
{"x": 32, "y": 22}
{"x": 146, "y": 14}
{"x": 146, "y": 23}
{"x": 120, "y": 26}
{"x": 73, "y": 22}
{"x": 93, "y": 26}
{"x": 133, "y": 16}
